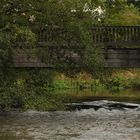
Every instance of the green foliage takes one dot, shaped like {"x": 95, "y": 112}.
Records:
{"x": 97, "y": 86}
{"x": 123, "y": 15}
{"x": 29, "y": 90}
{"x": 14, "y": 30}
{"x": 133, "y": 83}
{"x": 5, "y": 52}
{"x": 24, "y": 37}
{"x": 117, "y": 83}
{"x": 12, "y": 96}
{"x": 123, "y": 80}
{"x": 93, "y": 60}
{"x": 62, "y": 84}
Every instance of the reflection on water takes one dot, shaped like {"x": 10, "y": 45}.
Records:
{"x": 90, "y": 95}
{"x": 84, "y": 124}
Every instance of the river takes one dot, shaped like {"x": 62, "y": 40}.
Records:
{"x": 94, "y": 120}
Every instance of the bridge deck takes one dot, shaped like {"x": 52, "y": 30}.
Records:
{"x": 112, "y": 38}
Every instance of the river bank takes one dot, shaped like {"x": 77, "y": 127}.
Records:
{"x": 49, "y": 91}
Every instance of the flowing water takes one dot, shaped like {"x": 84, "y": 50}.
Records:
{"x": 94, "y": 120}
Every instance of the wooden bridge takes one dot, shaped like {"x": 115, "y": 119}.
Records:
{"x": 120, "y": 45}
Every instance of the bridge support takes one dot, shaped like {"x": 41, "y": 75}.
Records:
{"x": 122, "y": 57}
{"x": 113, "y": 58}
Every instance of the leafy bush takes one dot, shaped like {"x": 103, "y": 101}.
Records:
{"x": 97, "y": 86}
{"x": 133, "y": 83}
{"x": 117, "y": 83}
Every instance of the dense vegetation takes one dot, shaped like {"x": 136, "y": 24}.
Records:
{"x": 35, "y": 88}
{"x": 48, "y": 90}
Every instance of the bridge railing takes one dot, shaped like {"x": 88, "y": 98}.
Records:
{"x": 116, "y": 35}
{"x": 102, "y": 35}
{"x": 58, "y": 37}
{"x": 111, "y": 36}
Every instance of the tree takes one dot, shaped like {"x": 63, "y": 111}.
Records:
{"x": 14, "y": 26}
{"x": 76, "y": 39}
